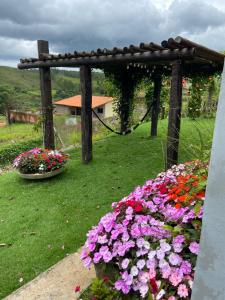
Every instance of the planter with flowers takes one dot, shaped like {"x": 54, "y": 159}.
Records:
{"x": 40, "y": 163}
{"x": 150, "y": 241}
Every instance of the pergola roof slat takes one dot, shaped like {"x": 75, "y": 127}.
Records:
{"x": 148, "y": 53}
{"x": 99, "y": 61}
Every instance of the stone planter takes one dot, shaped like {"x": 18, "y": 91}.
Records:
{"x": 42, "y": 175}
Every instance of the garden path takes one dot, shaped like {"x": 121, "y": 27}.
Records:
{"x": 58, "y": 282}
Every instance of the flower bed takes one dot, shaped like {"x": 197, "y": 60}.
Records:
{"x": 40, "y": 161}
{"x": 151, "y": 238}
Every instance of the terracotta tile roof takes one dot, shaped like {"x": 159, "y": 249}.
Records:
{"x": 75, "y": 101}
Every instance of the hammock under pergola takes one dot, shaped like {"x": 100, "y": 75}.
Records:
{"x": 177, "y": 57}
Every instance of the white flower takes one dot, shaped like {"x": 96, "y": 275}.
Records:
{"x": 146, "y": 245}
{"x": 134, "y": 271}
{"x": 160, "y": 294}
{"x": 151, "y": 254}
{"x": 41, "y": 167}
{"x": 143, "y": 290}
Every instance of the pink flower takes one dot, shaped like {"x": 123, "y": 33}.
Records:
{"x": 194, "y": 247}
{"x": 171, "y": 298}
{"x": 175, "y": 278}
{"x": 182, "y": 291}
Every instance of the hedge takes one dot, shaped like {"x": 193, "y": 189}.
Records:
{"x": 9, "y": 152}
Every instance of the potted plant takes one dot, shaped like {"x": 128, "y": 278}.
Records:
{"x": 151, "y": 237}
{"x": 40, "y": 163}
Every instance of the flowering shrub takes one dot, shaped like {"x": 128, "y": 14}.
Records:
{"x": 40, "y": 160}
{"x": 152, "y": 236}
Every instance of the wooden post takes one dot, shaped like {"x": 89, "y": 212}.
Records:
{"x": 174, "y": 114}
{"x": 86, "y": 113}
{"x": 156, "y": 104}
{"x": 46, "y": 99}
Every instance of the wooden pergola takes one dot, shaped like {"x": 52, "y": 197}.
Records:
{"x": 179, "y": 57}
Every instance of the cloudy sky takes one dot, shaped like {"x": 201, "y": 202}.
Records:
{"x": 71, "y": 25}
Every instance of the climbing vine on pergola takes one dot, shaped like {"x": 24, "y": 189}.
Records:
{"x": 177, "y": 57}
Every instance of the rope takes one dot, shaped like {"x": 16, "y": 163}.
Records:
{"x": 128, "y": 130}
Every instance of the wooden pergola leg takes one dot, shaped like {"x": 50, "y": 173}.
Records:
{"x": 156, "y": 104}
{"x": 174, "y": 114}
{"x": 86, "y": 113}
{"x": 46, "y": 99}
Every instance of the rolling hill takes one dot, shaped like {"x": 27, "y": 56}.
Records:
{"x": 25, "y": 84}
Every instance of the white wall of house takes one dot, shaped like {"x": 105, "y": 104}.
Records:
{"x": 104, "y": 111}
{"x": 108, "y": 110}
{"x": 62, "y": 110}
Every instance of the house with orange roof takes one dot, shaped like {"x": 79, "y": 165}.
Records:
{"x": 102, "y": 105}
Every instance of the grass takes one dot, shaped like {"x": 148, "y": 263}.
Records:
{"x": 40, "y": 222}
{"x": 16, "y": 133}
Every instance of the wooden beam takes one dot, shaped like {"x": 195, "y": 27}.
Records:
{"x": 102, "y": 60}
{"x": 156, "y": 104}
{"x": 174, "y": 114}
{"x": 86, "y": 113}
{"x": 46, "y": 98}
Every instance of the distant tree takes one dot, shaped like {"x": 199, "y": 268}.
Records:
{"x": 66, "y": 88}
{"x": 7, "y": 101}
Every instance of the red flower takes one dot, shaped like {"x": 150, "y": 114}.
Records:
{"x": 138, "y": 208}
{"x": 154, "y": 287}
{"x": 77, "y": 289}
{"x": 106, "y": 279}
{"x": 163, "y": 190}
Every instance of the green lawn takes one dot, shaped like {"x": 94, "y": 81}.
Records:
{"x": 43, "y": 221}
{"x": 16, "y": 133}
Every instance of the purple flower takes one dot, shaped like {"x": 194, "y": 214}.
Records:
{"x": 103, "y": 250}
{"x": 140, "y": 264}
{"x": 102, "y": 239}
{"x": 135, "y": 231}
{"x": 121, "y": 250}
{"x": 160, "y": 254}
{"x": 140, "y": 242}
{"x": 107, "y": 256}
{"x": 87, "y": 262}
{"x": 175, "y": 259}
{"x": 125, "y": 263}
{"x": 185, "y": 267}
{"x": 165, "y": 247}
{"x": 120, "y": 285}
{"x": 97, "y": 257}
{"x": 194, "y": 247}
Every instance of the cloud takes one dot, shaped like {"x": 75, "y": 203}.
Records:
{"x": 86, "y": 25}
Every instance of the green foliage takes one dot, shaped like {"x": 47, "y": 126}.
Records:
{"x": 66, "y": 88}
{"x": 124, "y": 84}
{"x": 6, "y": 98}
{"x": 9, "y": 152}
{"x": 102, "y": 290}
{"x": 196, "y": 93}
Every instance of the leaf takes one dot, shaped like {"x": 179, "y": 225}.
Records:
{"x": 168, "y": 227}
{"x": 197, "y": 208}
{"x": 177, "y": 228}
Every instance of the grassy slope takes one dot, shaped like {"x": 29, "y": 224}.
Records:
{"x": 38, "y": 218}
{"x": 17, "y": 133}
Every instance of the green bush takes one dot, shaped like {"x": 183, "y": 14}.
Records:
{"x": 8, "y": 153}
